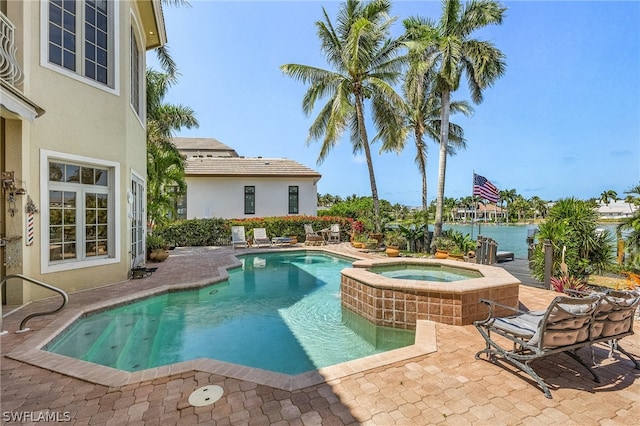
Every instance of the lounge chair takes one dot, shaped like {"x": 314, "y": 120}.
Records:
{"x": 260, "y": 237}
{"x": 334, "y": 233}
{"x": 237, "y": 237}
{"x": 568, "y": 324}
{"x": 312, "y": 238}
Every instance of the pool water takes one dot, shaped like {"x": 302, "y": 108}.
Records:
{"x": 426, "y": 273}
{"x": 279, "y": 312}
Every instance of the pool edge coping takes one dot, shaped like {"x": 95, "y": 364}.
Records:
{"x": 424, "y": 344}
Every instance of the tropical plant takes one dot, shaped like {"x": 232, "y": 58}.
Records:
{"x": 367, "y": 64}
{"x": 462, "y": 241}
{"x": 413, "y": 233}
{"x": 569, "y": 285}
{"x": 449, "y": 48}
{"x": 443, "y": 243}
{"x": 630, "y": 227}
{"x": 165, "y": 165}
{"x": 572, "y": 223}
{"x": 394, "y": 239}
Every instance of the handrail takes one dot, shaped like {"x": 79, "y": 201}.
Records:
{"x": 64, "y": 295}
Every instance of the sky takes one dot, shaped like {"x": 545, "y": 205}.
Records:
{"x": 563, "y": 121}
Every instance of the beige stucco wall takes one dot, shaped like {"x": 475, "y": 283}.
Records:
{"x": 224, "y": 197}
{"x": 80, "y": 120}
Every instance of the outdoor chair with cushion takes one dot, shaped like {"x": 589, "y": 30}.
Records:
{"x": 568, "y": 324}
{"x": 260, "y": 237}
{"x": 563, "y": 327}
{"x": 237, "y": 237}
{"x": 334, "y": 233}
{"x": 312, "y": 238}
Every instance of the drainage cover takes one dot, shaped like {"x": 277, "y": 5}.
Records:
{"x": 206, "y": 395}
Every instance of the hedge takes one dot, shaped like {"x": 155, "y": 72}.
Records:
{"x": 217, "y": 232}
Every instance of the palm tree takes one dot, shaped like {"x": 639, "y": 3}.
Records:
{"x": 422, "y": 112}
{"x": 367, "y": 63}
{"x": 607, "y": 196}
{"x": 167, "y": 63}
{"x": 448, "y": 46}
{"x": 508, "y": 195}
{"x": 165, "y": 165}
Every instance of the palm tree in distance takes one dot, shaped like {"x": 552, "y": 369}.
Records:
{"x": 449, "y": 47}
{"x": 507, "y": 195}
{"x": 367, "y": 63}
{"x": 165, "y": 60}
{"x": 607, "y": 196}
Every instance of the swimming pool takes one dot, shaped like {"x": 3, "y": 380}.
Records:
{"x": 279, "y": 312}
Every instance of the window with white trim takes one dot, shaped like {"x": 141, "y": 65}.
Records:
{"x": 293, "y": 200}
{"x": 80, "y": 212}
{"x": 81, "y": 38}
{"x": 135, "y": 73}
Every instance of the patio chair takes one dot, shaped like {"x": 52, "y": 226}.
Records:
{"x": 237, "y": 237}
{"x": 312, "y": 238}
{"x": 563, "y": 327}
{"x": 334, "y": 233}
{"x": 260, "y": 237}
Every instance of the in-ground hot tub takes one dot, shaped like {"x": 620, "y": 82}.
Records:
{"x": 398, "y": 302}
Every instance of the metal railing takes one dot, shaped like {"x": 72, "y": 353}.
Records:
{"x": 64, "y": 295}
{"x": 10, "y": 70}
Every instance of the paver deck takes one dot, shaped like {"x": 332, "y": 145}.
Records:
{"x": 444, "y": 387}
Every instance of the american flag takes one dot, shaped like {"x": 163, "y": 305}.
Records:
{"x": 485, "y": 189}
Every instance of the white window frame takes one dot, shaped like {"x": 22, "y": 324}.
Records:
{"x": 113, "y": 59}
{"x": 114, "y": 191}
{"x": 142, "y": 109}
{"x": 137, "y": 206}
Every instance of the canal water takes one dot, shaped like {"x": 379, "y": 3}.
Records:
{"x": 511, "y": 238}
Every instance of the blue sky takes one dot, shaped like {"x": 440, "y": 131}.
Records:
{"x": 564, "y": 120}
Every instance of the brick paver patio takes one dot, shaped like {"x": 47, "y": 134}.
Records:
{"x": 445, "y": 387}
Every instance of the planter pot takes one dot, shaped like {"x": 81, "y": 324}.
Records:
{"x": 456, "y": 256}
{"x": 357, "y": 244}
{"x": 442, "y": 254}
{"x": 377, "y": 237}
{"x": 392, "y": 251}
{"x": 371, "y": 246}
{"x": 159, "y": 255}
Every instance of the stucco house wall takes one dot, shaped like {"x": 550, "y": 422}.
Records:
{"x": 223, "y": 197}
{"x": 86, "y": 123}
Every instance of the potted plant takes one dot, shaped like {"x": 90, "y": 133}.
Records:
{"x": 393, "y": 240}
{"x": 359, "y": 241}
{"x": 456, "y": 253}
{"x": 443, "y": 246}
{"x": 371, "y": 243}
{"x": 157, "y": 248}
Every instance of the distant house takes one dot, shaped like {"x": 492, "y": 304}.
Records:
{"x": 616, "y": 210}
{"x": 484, "y": 212}
{"x": 73, "y": 179}
{"x": 224, "y": 185}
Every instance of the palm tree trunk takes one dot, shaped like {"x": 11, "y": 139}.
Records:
{"x": 442, "y": 161}
{"x": 367, "y": 152}
{"x": 423, "y": 167}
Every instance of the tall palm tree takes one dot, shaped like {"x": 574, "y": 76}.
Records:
{"x": 167, "y": 63}
{"x": 165, "y": 165}
{"x": 449, "y": 46}
{"x": 422, "y": 112}
{"x": 367, "y": 64}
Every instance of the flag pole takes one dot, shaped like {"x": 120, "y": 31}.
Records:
{"x": 473, "y": 182}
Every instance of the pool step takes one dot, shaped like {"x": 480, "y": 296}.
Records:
{"x": 109, "y": 345}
